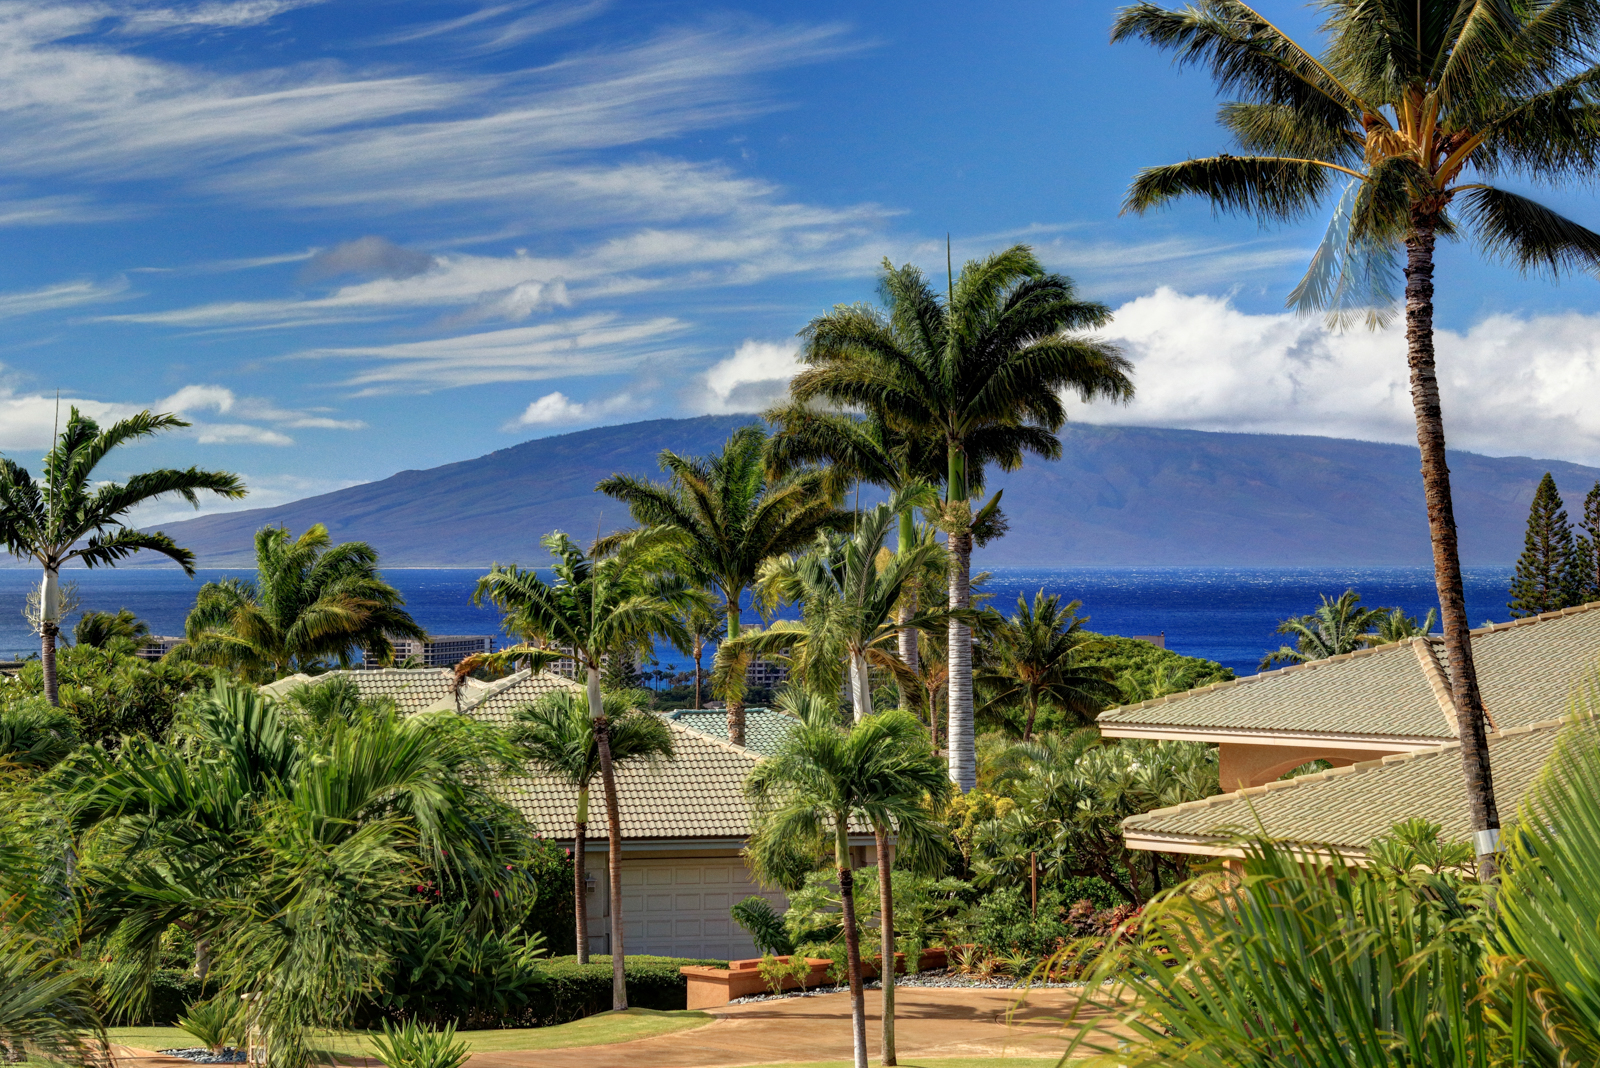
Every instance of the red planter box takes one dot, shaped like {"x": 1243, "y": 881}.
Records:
{"x": 710, "y": 987}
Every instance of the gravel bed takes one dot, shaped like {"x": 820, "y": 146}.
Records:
{"x": 201, "y": 1055}
{"x": 936, "y": 979}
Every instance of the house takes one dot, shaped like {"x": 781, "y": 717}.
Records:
{"x": 1372, "y": 703}
{"x": 1384, "y": 719}
{"x": 684, "y": 822}
{"x": 1341, "y": 811}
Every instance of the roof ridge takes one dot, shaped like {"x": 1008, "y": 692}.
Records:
{"x": 1434, "y": 674}
{"x": 1250, "y": 680}
{"x": 1542, "y": 617}
{"x": 496, "y": 687}
{"x": 714, "y": 740}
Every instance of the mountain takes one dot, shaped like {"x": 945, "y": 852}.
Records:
{"x": 1119, "y": 495}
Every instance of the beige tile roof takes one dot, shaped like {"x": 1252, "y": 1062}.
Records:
{"x": 427, "y": 689}
{"x": 1344, "y": 809}
{"x": 1526, "y": 669}
{"x": 697, "y": 794}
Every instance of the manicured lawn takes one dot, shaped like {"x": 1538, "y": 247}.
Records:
{"x": 599, "y": 1030}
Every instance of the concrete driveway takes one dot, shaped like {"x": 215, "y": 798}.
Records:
{"x": 928, "y": 1023}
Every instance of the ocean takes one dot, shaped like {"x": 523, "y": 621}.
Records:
{"x": 1226, "y": 614}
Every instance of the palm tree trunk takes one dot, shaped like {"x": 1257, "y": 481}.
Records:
{"x": 886, "y": 929}
{"x": 47, "y": 657}
{"x": 580, "y": 903}
{"x": 852, "y": 938}
{"x": 959, "y": 734}
{"x": 860, "y": 686}
{"x": 735, "y": 706}
{"x": 699, "y": 651}
{"x": 1446, "y": 557}
{"x": 608, "y": 781}
{"x": 1033, "y": 712}
{"x": 908, "y": 607}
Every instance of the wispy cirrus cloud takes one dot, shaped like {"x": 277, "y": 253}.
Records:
{"x": 60, "y": 295}
{"x": 600, "y": 344}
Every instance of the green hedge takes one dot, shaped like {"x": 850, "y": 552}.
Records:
{"x": 572, "y": 990}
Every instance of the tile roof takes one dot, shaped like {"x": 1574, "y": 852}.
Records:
{"x": 697, "y": 794}
{"x": 428, "y": 689}
{"x": 1344, "y": 809}
{"x": 1400, "y": 691}
{"x": 764, "y": 728}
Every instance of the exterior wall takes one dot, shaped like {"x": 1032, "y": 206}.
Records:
{"x": 676, "y": 902}
{"x": 1240, "y": 765}
{"x": 157, "y": 646}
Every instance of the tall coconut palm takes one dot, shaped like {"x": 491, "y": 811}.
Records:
{"x": 861, "y": 449}
{"x": 826, "y": 778}
{"x": 1037, "y": 656}
{"x": 72, "y": 515}
{"x": 1402, "y": 123}
{"x": 310, "y": 600}
{"x": 598, "y": 608}
{"x": 556, "y": 736}
{"x": 847, "y": 595}
{"x": 727, "y": 517}
{"x": 983, "y": 368}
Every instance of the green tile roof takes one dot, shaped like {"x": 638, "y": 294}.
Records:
{"x": 1526, "y": 669}
{"x": 764, "y": 728}
{"x": 1344, "y": 809}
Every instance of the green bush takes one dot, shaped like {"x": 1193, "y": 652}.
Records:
{"x": 572, "y": 990}
{"x": 172, "y": 993}
{"x": 216, "y": 1023}
{"x": 1006, "y": 923}
{"x": 414, "y": 1046}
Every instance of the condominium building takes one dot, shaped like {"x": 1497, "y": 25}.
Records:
{"x": 439, "y": 651}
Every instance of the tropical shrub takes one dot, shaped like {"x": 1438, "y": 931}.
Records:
{"x": 412, "y": 1045}
{"x": 216, "y": 1023}
{"x": 445, "y": 969}
{"x": 774, "y": 970}
{"x": 109, "y": 692}
{"x": 757, "y": 916}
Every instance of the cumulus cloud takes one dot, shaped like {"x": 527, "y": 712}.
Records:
{"x": 371, "y": 255}
{"x": 1510, "y": 385}
{"x": 756, "y": 375}
{"x": 554, "y": 409}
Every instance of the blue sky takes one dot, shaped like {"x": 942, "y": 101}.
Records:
{"x": 347, "y": 238}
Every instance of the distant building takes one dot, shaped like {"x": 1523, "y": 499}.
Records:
{"x": 439, "y": 651}
{"x": 1157, "y": 640}
{"x": 157, "y": 646}
{"x": 767, "y": 674}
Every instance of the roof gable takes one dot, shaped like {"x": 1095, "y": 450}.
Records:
{"x": 1397, "y": 693}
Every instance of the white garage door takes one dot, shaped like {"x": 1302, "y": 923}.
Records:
{"x": 679, "y": 908}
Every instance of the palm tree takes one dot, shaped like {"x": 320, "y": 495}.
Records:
{"x": 598, "y": 609}
{"x": 284, "y": 844}
{"x": 847, "y": 597}
{"x": 73, "y": 515}
{"x": 981, "y": 369}
{"x": 1412, "y": 110}
{"x": 1335, "y": 628}
{"x": 556, "y": 737}
{"x": 1395, "y": 626}
{"x": 311, "y": 600}
{"x": 821, "y": 781}
{"x": 703, "y": 624}
{"x": 1036, "y": 656}
{"x": 727, "y": 517}
{"x": 861, "y": 449}
{"x": 101, "y": 629}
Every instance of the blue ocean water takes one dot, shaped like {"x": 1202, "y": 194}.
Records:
{"x": 1224, "y": 614}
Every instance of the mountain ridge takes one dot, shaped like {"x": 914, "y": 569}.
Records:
{"x": 1119, "y": 496}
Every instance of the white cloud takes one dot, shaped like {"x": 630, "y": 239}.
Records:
{"x": 756, "y": 375}
{"x": 208, "y": 15}
{"x": 1510, "y": 385}
{"x": 30, "y": 420}
{"x": 238, "y": 434}
{"x": 587, "y": 345}
{"x": 59, "y": 295}
{"x": 557, "y": 408}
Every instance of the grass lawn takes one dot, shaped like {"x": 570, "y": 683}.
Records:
{"x": 599, "y": 1030}
{"x": 935, "y": 1062}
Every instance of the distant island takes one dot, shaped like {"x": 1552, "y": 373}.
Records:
{"x": 1118, "y": 496}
